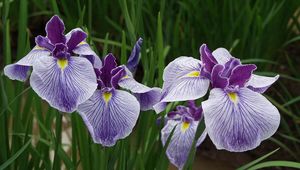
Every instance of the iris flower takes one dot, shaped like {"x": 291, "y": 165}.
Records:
{"x": 237, "y": 116}
{"x": 184, "y": 121}
{"x": 111, "y": 113}
{"x": 62, "y": 67}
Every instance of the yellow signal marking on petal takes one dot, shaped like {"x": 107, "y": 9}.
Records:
{"x": 62, "y": 63}
{"x": 39, "y": 48}
{"x": 82, "y": 42}
{"x": 193, "y": 74}
{"x": 233, "y": 97}
{"x": 106, "y": 96}
{"x": 185, "y": 126}
{"x": 125, "y": 77}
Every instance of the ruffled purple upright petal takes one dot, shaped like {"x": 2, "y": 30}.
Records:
{"x": 216, "y": 79}
{"x": 260, "y": 83}
{"x": 63, "y": 87}
{"x": 241, "y": 74}
{"x": 134, "y": 57}
{"x": 181, "y": 141}
{"x": 55, "y": 30}
{"x": 109, "y": 65}
{"x": 44, "y": 42}
{"x": 239, "y": 121}
{"x": 183, "y": 80}
{"x": 222, "y": 55}
{"x": 19, "y": 70}
{"x": 117, "y": 76}
{"x": 77, "y": 37}
{"x": 207, "y": 58}
{"x": 110, "y": 116}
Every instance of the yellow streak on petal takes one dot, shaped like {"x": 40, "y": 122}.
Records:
{"x": 185, "y": 126}
{"x": 39, "y": 48}
{"x": 125, "y": 77}
{"x": 106, "y": 96}
{"x": 233, "y": 97}
{"x": 62, "y": 63}
{"x": 82, "y": 42}
{"x": 193, "y": 74}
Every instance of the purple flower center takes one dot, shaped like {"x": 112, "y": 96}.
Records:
{"x": 110, "y": 74}
{"x": 186, "y": 114}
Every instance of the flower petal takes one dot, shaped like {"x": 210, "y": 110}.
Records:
{"x": 64, "y": 88}
{"x": 133, "y": 60}
{"x": 110, "y": 118}
{"x": 183, "y": 80}
{"x": 76, "y": 37}
{"x": 260, "y": 83}
{"x": 16, "y": 72}
{"x": 160, "y": 106}
{"x": 217, "y": 80}
{"x": 19, "y": 70}
{"x": 222, "y": 55}
{"x": 241, "y": 74}
{"x": 239, "y": 121}
{"x": 55, "y": 30}
{"x": 181, "y": 141}
{"x": 207, "y": 58}
{"x": 149, "y": 99}
{"x": 146, "y": 96}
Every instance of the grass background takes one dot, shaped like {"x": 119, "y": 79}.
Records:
{"x": 264, "y": 32}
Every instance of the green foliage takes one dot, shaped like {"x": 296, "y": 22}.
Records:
{"x": 254, "y": 30}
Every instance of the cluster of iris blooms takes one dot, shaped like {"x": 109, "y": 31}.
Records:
{"x": 70, "y": 76}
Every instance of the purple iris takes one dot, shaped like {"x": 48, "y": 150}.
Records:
{"x": 63, "y": 72}
{"x": 185, "y": 120}
{"x": 111, "y": 113}
{"x": 237, "y": 116}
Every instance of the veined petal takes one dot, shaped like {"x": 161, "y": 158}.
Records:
{"x": 222, "y": 55}
{"x": 239, "y": 121}
{"x": 241, "y": 74}
{"x": 160, "y": 106}
{"x": 181, "y": 141}
{"x": 19, "y": 70}
{"x": 260, "y": 83}
{"x": 207, "y": 58}
{"x": 183, "y": 80}
{"x": 110, "y": 116}
{"x": 63, "y": 84}
{"x": 146, "y": 96}
{"x": 16, "y": 72}
{"x": 148, "y": 99}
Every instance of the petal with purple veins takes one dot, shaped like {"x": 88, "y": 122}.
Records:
{"x": 183, "y": 80}
{"x": 149, "y": 99}
{"x": 217, "y": 80}
{"x": 76, "y": 37}
{"x": 239, "y": 121}
{"x": 64, "y": 84}
{"x": 146, "y": 96}
{"x": 19, "y": 70}
{"x": 181, "y": 141}
{"x": 110, "y": 116}
{"x": 160, "y": 106}
{"x": 260, "y": 83}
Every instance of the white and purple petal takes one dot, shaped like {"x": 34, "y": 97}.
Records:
{"x": 19, "y": 70}
{"x": 181, "y": 141}
{"x": 260, "y": 83}
{"x": 222, "y": 55}
{"x": 64, "y": 86}
{"x": 55, "y": 30}
{"x": 183, "y": 80}
{"x": 134, "y": 57}
{"x": 110, "y": 116}
{"x": 239, "y": 121}
{"x": 147, "y": 96}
